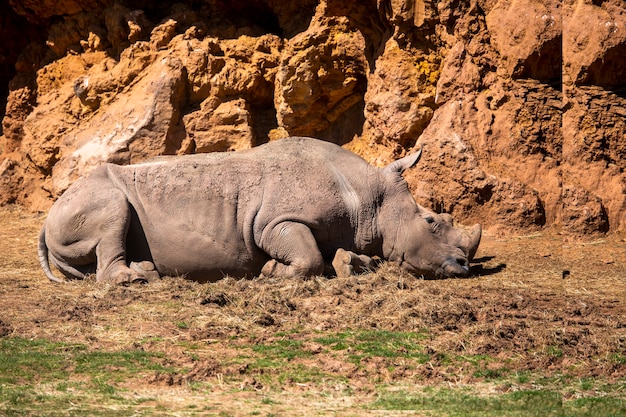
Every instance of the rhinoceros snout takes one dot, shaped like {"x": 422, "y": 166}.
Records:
{"x": 455, "y": 267}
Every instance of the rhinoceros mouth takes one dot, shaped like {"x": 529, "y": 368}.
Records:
{"x": 451, "y": 267}
{"x": 455, "y": 267}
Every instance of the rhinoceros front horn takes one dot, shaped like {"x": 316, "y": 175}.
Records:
{"x": 474, "y": 240}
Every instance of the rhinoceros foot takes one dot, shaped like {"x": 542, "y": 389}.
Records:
{"x": 120, "y": 276}
{"x": 348, "y": 263}
{"x": 274, "y": 268}
{"x": 269, "y": 269}
{"x": 147, "y": 272}
{"x": 343, "y": 263}
{"x": 136, "y": 273}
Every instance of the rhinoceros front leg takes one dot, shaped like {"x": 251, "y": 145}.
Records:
{"x": 347, "y": 263}
{"x": 293, "y": 250}
{"x": 145, "y": 269}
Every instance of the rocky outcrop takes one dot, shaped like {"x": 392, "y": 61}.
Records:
{"x": 594, "y": 116}
{"x": 522, "y": 124}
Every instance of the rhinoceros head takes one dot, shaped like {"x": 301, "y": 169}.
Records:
{"x": 420, "y": 241}
{"x": 442, "y": 225}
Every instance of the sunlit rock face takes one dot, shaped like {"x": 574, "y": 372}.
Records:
{"x": 522, "y": 125}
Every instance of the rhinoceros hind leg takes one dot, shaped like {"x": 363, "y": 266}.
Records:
{"x": 71, "y": 271}
{"x": 293, "y": 250}
{"x": 113, "y": 220}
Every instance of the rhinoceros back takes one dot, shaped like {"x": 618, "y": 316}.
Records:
{"x": 203, "y": 215}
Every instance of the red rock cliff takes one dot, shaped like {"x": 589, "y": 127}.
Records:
{"x": 520, "y": 105}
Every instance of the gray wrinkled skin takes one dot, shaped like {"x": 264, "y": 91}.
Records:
{"x": 281, "y": 209}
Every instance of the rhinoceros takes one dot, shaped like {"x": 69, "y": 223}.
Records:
{"x": 285, "y": 208}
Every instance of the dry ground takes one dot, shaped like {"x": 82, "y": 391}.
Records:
{"x": 537, "y": 305}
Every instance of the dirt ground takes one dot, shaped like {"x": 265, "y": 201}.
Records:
{"x": 536, "y": 304}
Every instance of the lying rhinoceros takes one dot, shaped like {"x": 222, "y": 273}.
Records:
{"x": 281, "y": 209}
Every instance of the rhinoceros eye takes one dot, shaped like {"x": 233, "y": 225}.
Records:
{"x": 433, "y": 224}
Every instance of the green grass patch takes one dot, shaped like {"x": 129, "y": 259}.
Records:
{"x": 445, "y": 402}
{"x": 282, "y": 361}
{"x": 39, "y": 377}
{"x": 273, "y": 361}
{"x": 24, "y": 361}
{"x": 597, "y": 406}
{"x": 617, "y": 358}
{"x": 281, "y": 349}
{"x": 456, "y": 403}
{"x": 120, "y": 365}
{"x": 377, "y": 343}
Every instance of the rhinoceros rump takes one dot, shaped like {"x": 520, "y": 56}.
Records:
{"x": 281, "y": 209}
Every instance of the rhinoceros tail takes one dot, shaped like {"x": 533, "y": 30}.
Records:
{"x": 43, "y": 256}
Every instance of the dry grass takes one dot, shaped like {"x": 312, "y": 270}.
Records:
{"x": 517, "y": 315}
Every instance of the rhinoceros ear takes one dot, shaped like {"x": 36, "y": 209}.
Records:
{"x": 405, "y": 163}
